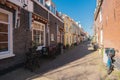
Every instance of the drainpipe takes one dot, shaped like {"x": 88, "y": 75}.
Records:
{"x": 48, "y": 29}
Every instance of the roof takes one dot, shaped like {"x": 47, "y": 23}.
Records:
{"x": 98, "y": 9}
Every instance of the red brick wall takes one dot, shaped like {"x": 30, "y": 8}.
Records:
{"x": 98, "y": 26}
{"x": 111, "y": 23}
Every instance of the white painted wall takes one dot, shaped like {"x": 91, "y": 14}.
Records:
{"x": 21, "y": 3}
{"x": 101, "y": 37}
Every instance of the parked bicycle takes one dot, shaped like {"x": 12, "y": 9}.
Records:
{"x": 32, "y": 59}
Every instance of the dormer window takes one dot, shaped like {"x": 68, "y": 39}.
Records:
{"x": 53, "y": 10}
{"x": 41, "y": 1}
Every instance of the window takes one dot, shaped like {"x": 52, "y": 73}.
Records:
{"x": 3, "y": 37}
{"x": 52, "y": 37}
{"x": 53, "y": 9}
{"x": 66, "y": 28}
{"x": 41, "y": 1}
{"x": 6, "y": 42}
{"x": 38, "y": 33}
{"x": 67, "y": 39}
{"x": 100, "y": 15}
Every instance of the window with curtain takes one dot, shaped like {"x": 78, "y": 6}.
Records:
{"x": 38, "y": 33}
{"x": 3, "y": 32}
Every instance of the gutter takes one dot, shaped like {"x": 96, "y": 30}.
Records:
{"x": 98, "y": 10}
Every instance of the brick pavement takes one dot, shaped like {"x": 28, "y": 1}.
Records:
{"x": 79, "y": 63}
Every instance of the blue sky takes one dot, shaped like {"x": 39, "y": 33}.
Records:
{"x": 79, "y": 10}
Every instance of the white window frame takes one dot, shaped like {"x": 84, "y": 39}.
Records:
{"x": 9, "y": 53}
{"x": 52, "y": 37}
{"x": 101, "y": 36}
{"x": 100, "y": 15}
{"x": 39, "y": 47}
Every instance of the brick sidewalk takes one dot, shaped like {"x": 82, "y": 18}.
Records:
{"x": 79, "y": 63}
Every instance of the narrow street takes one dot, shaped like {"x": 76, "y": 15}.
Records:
{"x": 59, "y": 40}
{"x": 79, "y": 63}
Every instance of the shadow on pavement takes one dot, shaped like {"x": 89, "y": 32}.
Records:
{"x": 72, "y": 55}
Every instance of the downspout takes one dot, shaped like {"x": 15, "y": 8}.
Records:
{"x": 48, "y": 29}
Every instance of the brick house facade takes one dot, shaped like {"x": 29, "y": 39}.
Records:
{"x": 67, "y": 30}
{"x": 107, "y": 24}
{"x": 54, "y": 26}
{"x": 72, "y": 31}
{"x": 22, "y": 27}
{"x": 21, "y": 37}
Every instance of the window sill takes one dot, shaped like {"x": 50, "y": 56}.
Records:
{"x": 39, "y": 47}
{"x": 6, "y": 55}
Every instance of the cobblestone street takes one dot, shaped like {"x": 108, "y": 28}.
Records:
{"x": 79, "y": 63}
